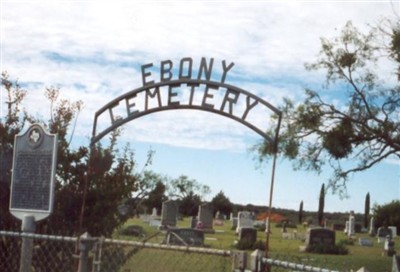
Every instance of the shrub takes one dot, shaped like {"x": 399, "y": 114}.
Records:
{"x": 248, "y": 245}
{"x": 338, "y": 249}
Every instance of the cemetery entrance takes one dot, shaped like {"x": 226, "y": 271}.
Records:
{"x": 185, "y": 85}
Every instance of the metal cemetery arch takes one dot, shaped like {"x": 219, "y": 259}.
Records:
{"x": 203, "y": 83}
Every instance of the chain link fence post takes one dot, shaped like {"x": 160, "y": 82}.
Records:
{"x": 28, "y": 226}
{"x": 239, "y": 262}
{"x": 86, "y": 243}
{"x": 255, "y": 261}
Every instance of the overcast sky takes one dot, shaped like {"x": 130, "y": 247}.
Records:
{"x": 93, "y": 51}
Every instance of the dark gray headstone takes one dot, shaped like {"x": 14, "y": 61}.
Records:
{"x": 206, "y": 215}
{"x": 34, "y": 164}
{"x": 234, "y": 223}
{"x": 193, "y": 222}
{"x": 248, "y": 234}
{"x": 384, "y": 232}
{"x": 169, "y": 213}
{"x": 318, "y": 236}
{"x": 185, "y": 237}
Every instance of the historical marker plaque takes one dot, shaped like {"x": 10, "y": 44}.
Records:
{"x": 34, "y": 165}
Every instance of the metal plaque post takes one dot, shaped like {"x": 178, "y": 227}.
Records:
{"x": 32, "y": 183}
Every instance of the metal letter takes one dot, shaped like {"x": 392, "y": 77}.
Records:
{"x": 230, "y": 100}
{"x": 112, "y": 114}
{"x": 131, "y": 105}
{"x": 208, "y": 95}
{"x": 165, "y": 70}
{"x": 152, "y": 95}
{"x": 193, "y": 86}
{"x": 189, "y": 70}
{"x": 226, "y": 69}
{"x": 249, "y": 106}
{"x": 172, "y": 94}
{"x": 146, "y": 74}
{"x": 203, "y": 68}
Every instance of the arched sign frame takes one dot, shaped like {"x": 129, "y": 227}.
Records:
{"x": 151, "y": 90}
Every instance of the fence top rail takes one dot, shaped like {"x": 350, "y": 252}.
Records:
{"x": 38, "y": 236}
{"x": 170, "y": 247}
{"x": 299, "y": 267}
{"x": 202, "y": 250}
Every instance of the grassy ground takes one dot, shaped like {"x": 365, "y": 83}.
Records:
{"x": 288, "y": 249}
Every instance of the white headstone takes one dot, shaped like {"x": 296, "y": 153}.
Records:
{"x": 245, "y": 220}
{"x": 267, "y": 227}
{"x": 372, "y": 226}
{"x": 394, "y": 231}
{"x": 154, "y": 213}
{"x": 352, "y": 225}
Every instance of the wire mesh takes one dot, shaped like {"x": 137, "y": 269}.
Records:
{"x": 130, "y": 256}
{"x": 49, "y": 253}
{"x": 59, "y": 254}
{"x": 56, "y": 253}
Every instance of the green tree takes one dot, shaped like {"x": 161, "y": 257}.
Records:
{"x": 86, "y": 198}
{"x": 147, "y": 182}
{"x": 387, "y": 214}
{"x": 366, "y": 210}
{"x": 189, "y": 204}
{"x": 301, "y": 213}
{"x": 365, "y": 127}
{"x": 222, "y": 204}
{"x": 183, "y": 186}
{"x": 321, "y": 205}
{"x": 10, "y": 125}
{"x": 157, "y": 196}
{"x": 189, "y": 194}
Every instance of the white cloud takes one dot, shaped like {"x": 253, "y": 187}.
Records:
{"x": 93, "y": 52}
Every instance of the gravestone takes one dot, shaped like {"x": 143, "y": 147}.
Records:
{"x": 320, "y": 236}
{"x": 154, "y": 213}
{"x": 394, "y": 231}
{"x": 372, "y": 231}
{"x": 185, "y": 237}
{"x": 193, "y": 222}
{"x": 34, "y": 165}
{"x": 346, "y": 227}
{"x": 206, "y": 216}
{"x": 267, "y": 225}
{"x": 365, "y": 242}
{"x": 382, "y": 233}
{"x": 234, "y": 223}
{"x": 352, "y": 225}
{"x": 388, "y": 247}
{"x": 156, "y": 223}
{"x": 248, "y": 235}
{"x": 245, "y": 220}
{"x": 169, "y": 213}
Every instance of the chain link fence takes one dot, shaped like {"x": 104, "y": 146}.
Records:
{"x": 84, "y": 254}
{"x": 57, "y": 253}
{"x": 49, "y": 253}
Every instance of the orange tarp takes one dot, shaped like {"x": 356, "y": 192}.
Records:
{"x": 275, "y": 217}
